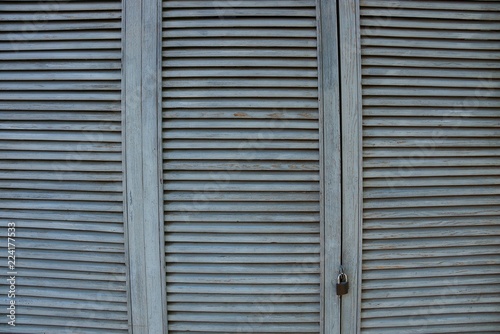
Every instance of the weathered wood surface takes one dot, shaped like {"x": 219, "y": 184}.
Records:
{"x": 60, "y": 170}
{"x": 142, "y": 165}
{"x": 431, "y": 153}
{"x": 242, "y": 161}
{"x": 351, "y": 117}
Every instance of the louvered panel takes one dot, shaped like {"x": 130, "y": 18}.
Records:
{"x": 61, "y": 164}
{"x": 431, "y": 162}
{"x": 241, "y": 166}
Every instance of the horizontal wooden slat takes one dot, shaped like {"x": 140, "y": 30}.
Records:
{"x": 252, "y": 327}
{"x": 219, "y": 238}
{"x": 29, "y": 74}
{"x": 241, "y": 196}
{"x": 435, "y": 13}
{"x": 241, "y": 154}
{"x": 439, "y": 5}
{"x": 444, "y": 320}
{"x": 243, "y": 307}
{"x": 250, "y": 133}
{"x": 420, "y": 91}
{"x": 239, "y": 92}
{"x": 263, "y": 78}
{"x": 247, "y": 300}
{"x": 58, "y": 65}
{"x": 242, "y": 228}
{"x": 54, "y": 15}
{"x": 95, "y": 324}
{"x": 399, "y": 69}
{"x": 428, "y": 44}
{"x": 432, "y": 33}
{"x": 58, "y": 175}
{"x": 59, "y": 146}
{"x": 437, "y": 222}
{"x": 239, "y": 144}
{"x": 27, "y": 6}
{"x": 241, "y": 102}
{"x": 238, "y": 42}
{"x": 244, "y": 268}
{"x": 422, "y": 242}
{"x": 276, "y": 22}
{"x": 430, "y": 82}
{"x": 42, "y": 37}
{"x": 430, "y": 191}
{"x": 81, "y": 126}
{"x": 447, "y": 24}
{"x": 236, "y": 12}
{"x": 172, "y": 4}
{"x": 423, "y": 67}
{"x": 439, "y": 281}
{"x": 89, "y": 216}
{"x": 243, "y": 52}
{"x": 212, "y": 217}
{"x": 435, "y": 142}
{"x": 240, "y": 32}
{"x": 40, "y": 305}
{"x": 241, "y": 176}
{"x": 59, "y": 105}
{"x": 240, "y": 186}
{"x": 61, "y": 55}
{"x": 56, "y": 26}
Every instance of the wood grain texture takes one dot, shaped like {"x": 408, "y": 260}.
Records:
{"x": 352, "y": 202}
{"x": 430, "y": 165}
{"x": 142, "y": 123}
{"x": 61, "y": 165}
{"x": 330, "y": 138}
{"x": 241, "y": 162}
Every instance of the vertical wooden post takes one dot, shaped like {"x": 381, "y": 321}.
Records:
{"x": 351, "y": 115}
{"x": 330, "y": 175}
{"x": 142, "y": 150}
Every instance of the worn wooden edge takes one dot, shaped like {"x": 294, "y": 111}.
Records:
{"x": 151, "y": 121}
{"x": 350, "y": 69}
{"x": 330, "y": 165}
{"x": 131, "y": 63}
{"x": 159, "y": 143}
{"x": 142, "y": 161}
{"x": 321, "y": 177}
{"x": 124, "y": 166}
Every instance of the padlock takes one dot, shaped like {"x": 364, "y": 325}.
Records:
{"x": 342, "y": 284}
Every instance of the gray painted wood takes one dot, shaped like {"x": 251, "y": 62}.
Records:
{"x": 352, "y": 201}
{"x": 142, "y": 161}
{"x": 330, "y": 139}
{"x": 430, "y": 165}
{"x": 242, "y": 161}
{"x": 61, "y": 174}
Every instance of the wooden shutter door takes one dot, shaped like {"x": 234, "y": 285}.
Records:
{"x": 242, "y": 166}
{"x": 61, "y": 165}
{"x": 431, "y": 99}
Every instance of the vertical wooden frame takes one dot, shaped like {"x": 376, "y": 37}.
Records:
{"x": 351, "y": 115}
{"x": 142, "y": 165}
{"x": 330, "y": 163}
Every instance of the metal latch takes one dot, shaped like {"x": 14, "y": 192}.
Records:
{"x": 342, "y": 283}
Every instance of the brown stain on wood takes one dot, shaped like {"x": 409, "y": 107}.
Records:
{"x": 276, "y": 115}
{"x": 240, "y": 114}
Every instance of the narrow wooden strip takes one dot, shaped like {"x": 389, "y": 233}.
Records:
{"x": 235, "y": 3}
{"x": 440, "y": 13}
{"x": 464, "y": 6}
{"x": 237, "y": 12}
